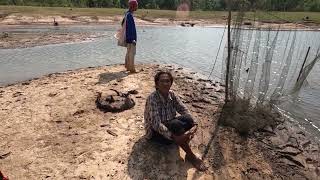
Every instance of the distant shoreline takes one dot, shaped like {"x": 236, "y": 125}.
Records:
{"x": 31, "y": 15}
{"x": 14, "y": 20}
{"x": 12, "y": 40}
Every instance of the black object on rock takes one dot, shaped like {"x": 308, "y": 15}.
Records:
{"x": 55, "y": 23}
{"x": 114, "y": 103}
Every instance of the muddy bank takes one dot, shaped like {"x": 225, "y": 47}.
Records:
{"x": 10, "y": 40}
{"x": 13, "y": 19}
{"x": 51, "y": 128}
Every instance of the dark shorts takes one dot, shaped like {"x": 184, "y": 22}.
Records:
{"x": 177, "y": 126}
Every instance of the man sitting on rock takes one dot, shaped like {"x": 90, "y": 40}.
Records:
{"x": 161, "y": 122}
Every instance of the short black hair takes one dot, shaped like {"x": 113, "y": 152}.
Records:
{"x": 157, "y": 76}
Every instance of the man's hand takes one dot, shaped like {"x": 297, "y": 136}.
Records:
{"x": 186, "y": 137}
{"x": 192, "y": 131}
{"x": 182, "y": 138}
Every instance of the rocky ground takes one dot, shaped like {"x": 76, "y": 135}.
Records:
{"x": 52, "y": 129}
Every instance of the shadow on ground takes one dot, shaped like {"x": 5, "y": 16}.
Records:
{"x": 109, "y": 76}
{"x": 149, "y": 160}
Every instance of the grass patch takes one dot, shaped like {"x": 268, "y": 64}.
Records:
{"x": 294, "y": 17}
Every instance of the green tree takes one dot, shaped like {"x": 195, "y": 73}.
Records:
{"x": 151, "y": 5}
{"x": 210, "y": 5}
{"x": 116, "y": 3}
{"x": 311, "y": 5}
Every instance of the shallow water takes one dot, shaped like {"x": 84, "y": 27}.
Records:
{"x": 194, "y": 48}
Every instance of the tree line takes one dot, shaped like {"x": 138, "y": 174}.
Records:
{"x": 270, "y": 5}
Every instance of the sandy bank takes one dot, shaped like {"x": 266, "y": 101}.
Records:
{"x": 24, "y": 40}
{"x": 20, "y": 19}
{"x": 51, "y": 129}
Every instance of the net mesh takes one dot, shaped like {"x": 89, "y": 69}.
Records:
{"x": 267, "y": 64}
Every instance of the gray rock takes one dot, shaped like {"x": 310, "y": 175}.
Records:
{"x": 289, "y": 150}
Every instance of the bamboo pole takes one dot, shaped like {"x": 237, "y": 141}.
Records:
{"x": 229, "y": 51}
{"x": 304, "y": 62}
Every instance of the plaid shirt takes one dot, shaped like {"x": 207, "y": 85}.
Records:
{"x": 158, "y": 110}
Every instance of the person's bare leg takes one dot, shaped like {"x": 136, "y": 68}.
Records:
{"x": 132, "y": 52}
{"x": 190, "y": 156}
{"x": 127, "y": 58}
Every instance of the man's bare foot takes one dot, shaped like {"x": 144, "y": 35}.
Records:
{"x": 196, "y": 162}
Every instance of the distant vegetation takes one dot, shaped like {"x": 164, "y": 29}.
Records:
{"x": 270, "y": 5}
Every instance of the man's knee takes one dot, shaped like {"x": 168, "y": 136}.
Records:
{"x": 187, "y": 121}
{"x": 180, "y": 125}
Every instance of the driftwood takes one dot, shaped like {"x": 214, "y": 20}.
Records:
{"x": 115, "y": 103}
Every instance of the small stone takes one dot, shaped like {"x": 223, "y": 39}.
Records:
{"x": 16, "y": 94}
{"x": 281, "y": 127}
{"x": 3, "y": 156}
{"x": 268, "y": 129}
{"x": 78, "y": 112}
{"x": 25, "y": 83}
{"x": 293, "y": 160}
{"x": 290, "y": 151}
{"x": 306, "y": 144}
{"x": 133, "y": 92}
{"x": 311, "y": 161}
{"x": 220, "y": 90}
{"x": 197, "y": 106}
{"x": 111, "y": 132}
{"x": 52, "y": 94}
{"x": 301, "y": 132}
{"x": 203, "y": 80}
{"x": 4, "y": 35}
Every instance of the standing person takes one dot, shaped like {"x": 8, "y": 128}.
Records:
{"x": 131, "y": 36}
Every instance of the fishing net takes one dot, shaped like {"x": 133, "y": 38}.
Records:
{"x": 268, "y": 63}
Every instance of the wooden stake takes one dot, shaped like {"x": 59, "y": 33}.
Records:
{"x": 229, "y": 52}
{"x": 304, "y": 62}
